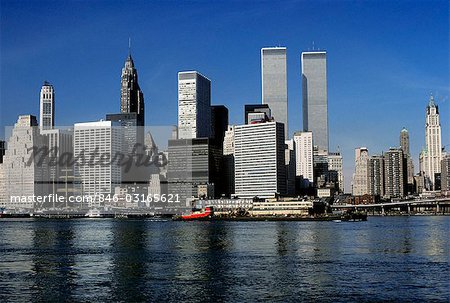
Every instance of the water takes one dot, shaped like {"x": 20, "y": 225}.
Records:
{"x": 97, "y": 260}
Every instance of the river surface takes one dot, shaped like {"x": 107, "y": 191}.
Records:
{"x": 401, "y": 259}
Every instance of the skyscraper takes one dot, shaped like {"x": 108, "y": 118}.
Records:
{"x": 404, "y": 140}
{"x": 304, "y": 157}
{"x": 219, "y": 124}
{"x": 404, "y": 145}
{"x": 394, "y": 173}
{"x": 228, "y": 161}
{"x": 431, "y": 156}
{"x": 194, "y": 105}
{"x": 131, "y": 96}
{"x": 259, "y": 157}
{"x": 445, "y": 174}
{"x": 99, "y": 175}
{"x": 360, "y": 184}
{"x": 274, "y": 83}
{"x": 335, "y": 170}
{"x": 22, "y": 174}
{"x": 315, "y": 96}
{"x": 375, "y": 174}
{"x": 47, "y": 107}
{"x": 2, "y": 150}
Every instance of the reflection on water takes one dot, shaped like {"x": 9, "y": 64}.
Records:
{"x": 383, "y": 259}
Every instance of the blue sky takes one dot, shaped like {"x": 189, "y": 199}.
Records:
{"x": 384, "y": 60}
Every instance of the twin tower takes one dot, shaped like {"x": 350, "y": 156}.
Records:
{"x": 314, "y": 90}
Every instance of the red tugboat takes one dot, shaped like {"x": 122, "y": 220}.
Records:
{"x": 207, "y": 214}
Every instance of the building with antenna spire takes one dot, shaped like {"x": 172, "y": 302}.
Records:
{"x": 131, "y": 96}
{"x": 431, "y": 155}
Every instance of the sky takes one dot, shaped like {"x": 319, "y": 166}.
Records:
{"x": 384, "y": 60}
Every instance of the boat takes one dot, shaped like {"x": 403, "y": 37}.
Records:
{"x": 93, "y": 213}
{"x": 199, "y": 215}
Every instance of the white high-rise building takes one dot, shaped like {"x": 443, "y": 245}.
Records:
{"x": 194, "y": 105}
{"x": 335, "y": 169}
{"x": 228, "y": 141}
{"x": 274, "y": 83}
{"x": 431, "y": 156}
{"x": 22, "y": 175}
{"x": 304, "y": 156}
{"x": 360, "y": 184}
{"x": 99, "y": 143}
{"x": 47, "y": 107}
{"x": 315, "y": 96}
{"x": 259, "y": 159}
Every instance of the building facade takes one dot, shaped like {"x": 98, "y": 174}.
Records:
{"x": 47, "y": 107}
{"x": 131, "y": 96}
{"x": 404, "y": 145}
{"x": 24, "y": 172}
{"x": 335, "y": 170}
{"x": 359, "y": 184}
{"x": 445, "y": 174}
{"x": 192, "y": 163}
{"x": 304, "y": 157}
{"x": 96, "y": 146}
{"x": 274, "y": 83}
{"x": 315, "y": 96}
{"x": 259, "y": 159}
{"x": 394, "y": 173}
{"x": 290, "y": 167}
{"x": 194, "y": 105}
{"x": 375, "y": 174}
{"x": 2, "y": 150}
{"x": 431, "y": 156}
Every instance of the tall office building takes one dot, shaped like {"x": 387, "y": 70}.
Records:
{"x": 133, "y": 145}
{"x": 22, "y": 174}
{"x": 257, "y": 108}
{"x": 2, "y": 150}
{"x": 290, "y": 167}
{"x": 445, "y": 173}
{"x": 274, "y": 83}
{"x": 94, "y": 141}
{"x": 192, "y": 163}
{"x": 194, "y": 105}
{"x": 304, "y": 157}
{"x": 131, "y": 96}
{"x": 404, "y": 140}
{"x": 375, "y": 175}
{"x": 359, "y": 184}
{"x": 259, "y": 158}
{"x": 219, "y": 123}
{"x": 131, "y": 132}
{"x": 321, "y": 173}
{"x": 404, "y": 145}
{"x": 394, "y": 173}
{"x": 228, "y": 141}
{"x": 335, "y": 170}
{"x": 228, "y": 161}
{"x": 315, "y": 96}
{"x": 431, "y": 156}
{"x": 47, "y": 107}
{"x": 59, "y": 143}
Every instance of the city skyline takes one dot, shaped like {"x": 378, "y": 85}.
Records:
{"x": 348, "y": 128}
